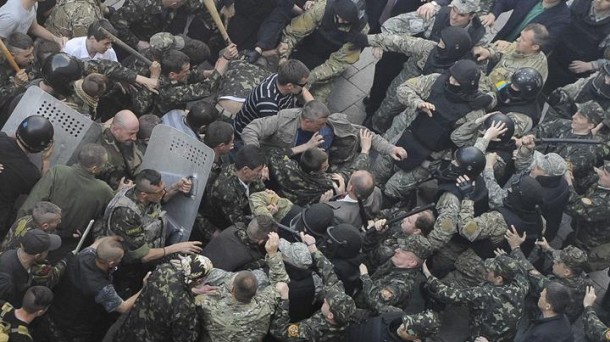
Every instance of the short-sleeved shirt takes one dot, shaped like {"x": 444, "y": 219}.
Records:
{"x": 15, "y": 18}
{"x": 77, "y": 47}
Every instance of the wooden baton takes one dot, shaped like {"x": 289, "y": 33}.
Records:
{"x": 211, "y": 6}
{"x": 9, "y": 57}
{"x": 129, "y": 49}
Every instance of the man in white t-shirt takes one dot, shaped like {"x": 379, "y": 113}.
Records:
{"x": 96, "y": 45}
{"x": 20, "y": 16}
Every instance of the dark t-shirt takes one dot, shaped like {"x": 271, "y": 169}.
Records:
{"x": 10, "y": 319}
{"x": 14, "y": 278}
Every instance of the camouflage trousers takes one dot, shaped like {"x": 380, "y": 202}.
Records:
{"x": 599, "y": 257}
{"x": 390, "y": 106}
{"x": 398, "y": 183}
{"x": 321, "y": 90}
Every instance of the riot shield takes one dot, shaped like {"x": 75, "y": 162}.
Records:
{"x": 175, "y": 154}
{"x": 71, "y": 129}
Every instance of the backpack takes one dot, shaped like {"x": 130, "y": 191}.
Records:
{"x": 6, "y": 329}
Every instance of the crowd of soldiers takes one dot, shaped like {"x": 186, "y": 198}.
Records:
{"x": 478, "y": 182}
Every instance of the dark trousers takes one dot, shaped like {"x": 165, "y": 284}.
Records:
{"x": 386, "y": 69}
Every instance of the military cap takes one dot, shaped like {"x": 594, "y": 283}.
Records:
{"x": 504, "y": 266}
{"x": 37, "y": 241}
{"x": 416, "y": 244}
{"x": 295, "y": 253}
{"x": 592, "y": 111}
{"x": 193, "y": 266}
{"x": 551, "y": 163}
{"x": 423, "y": 324}
{"x": 341, "y": 305}
{"x": 465, "y": 6}
{"x": 164, "y": 41}
{"x": 573, "y": 257}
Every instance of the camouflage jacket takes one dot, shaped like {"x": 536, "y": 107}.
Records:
{"x": 316, "y": 328}
{"x": 123, "y": 160}
{"x": 445, "y": 226}
{"x": 590, "y": 213}
{"x": 71, "y": 18}
{"x": 164, "y": 311}
{"x": 227, "y": 202}
{"x": 595, "y": 329}
{"x": 495, "y": 310}
{"x": 302, "y": 26}
{"x": 488, "y": 225}
{"x": 18, "y": 229}
{"x": 506, "y": 62}
{"x": 227, "y": 319}
{"x": 8, "y": 89}
{"x": 174, "y": 95}
{"x": 417, "y": 48}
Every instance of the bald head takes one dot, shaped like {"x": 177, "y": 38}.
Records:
{"x": 125, "y": 126}
{"x": 110, "y": 250}
{"x": 362, "y": 184}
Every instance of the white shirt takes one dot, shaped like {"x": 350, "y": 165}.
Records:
{"x": 15, "y": 18}
{"x": 77, "y": 47}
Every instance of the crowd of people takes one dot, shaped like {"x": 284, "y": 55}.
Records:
{"x": 480, "y": 143}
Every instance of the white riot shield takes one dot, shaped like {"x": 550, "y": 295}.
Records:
{"x": 71, "y": 129}
{"x": 175, "y": 154}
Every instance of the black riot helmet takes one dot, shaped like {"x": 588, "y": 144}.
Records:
{"x": 471, "y": 161}
{"x": 59, "y": 71}
{"x": 343, "y": 241}
{"x": 528, "y": 81}
{"x": 352, "y": 11}
{"x": 467, "y": 73}
{"x": 35, "y": 133}
{"x": 508, "y": 122}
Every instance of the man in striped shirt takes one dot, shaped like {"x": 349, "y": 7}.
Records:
{"x": 276, "y": 92}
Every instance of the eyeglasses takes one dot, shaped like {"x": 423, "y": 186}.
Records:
{"x": 302, "y": 85}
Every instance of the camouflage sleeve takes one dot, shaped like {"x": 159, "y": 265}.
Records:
{"x": 413, "y": 91}
{"x": 283, "y": 330}
{"x": 113, "y": 70}
{"x": 495, "y": 191}
{"x": 591, "y": 208}
{"x": 548, "y": 128}
{"x": 7, "y": 90}
{"x": 395, "y": 292}
{"x": 327, "y": 271}
{"x": 524, "y": 158}
{"x": 259, "y": 202}
{"x": 128, "y": 225}
{"x": 336, "y": 63}
{"x": 46, "y": 274}
{"x": 361, "y": 162}
{"x": 445, "y": 226}
{"x": 456, "y": 295}
{"x": 190, "y": 92}
{"x": 488, "y": 225}
{"x": 573, "y": 89}
{"x": 411, "y": 46}
{"x": 81, "y": 16}
{"x": 595, "y": 329}
{"x": 277, "y": 271}
{"x": 301, "y": 26}
{"x": 409, "y": 23}
{"x": 517, "y": 254}
{"x": 466, "y": 134}
{"x": 381, "y": 145}
{"x": 129, "y": 14}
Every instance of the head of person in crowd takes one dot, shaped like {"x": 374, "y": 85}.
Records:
{"x": 36, "y": 301}
{"x": 418, "y": 224}
{"x": 314, "y": 116}
{"x": 36, "y": 245}
{"x": 314, "y": 160}
{"x": 524, "y": 196}
{"x": 220, "y": 137}
{"x": 601, "y": 83}
{"x": 149, "y": 186}
{"x": 59, "y": 71}
{"x": 99, "y": 41}
{"x": 524, "y": 87}
{"x": 554, "y": 299}
{"x": 175, "y": 65}
{"x": 201, "y": 115}
{"x": 249, "y": 163}
{"x": 193, "y": 267}
{"x": 604, "y": 175}
{"x": 548, "y": 165}
{"x": 244, "y": 286}
{"x": 21, "y": 47}
{"x": 569, "y": 262}
{"x": 462, "y": 12}
{"x": 360, "y": 185}
{"x": 147, "y": 123}
{"x": 34, "y": 134}
{"x": 468, "y": 160}
{"x": 94, "y": 86}
{"x": 292, "y": 76}
{"x": 93, "y": 158}
{"x": 295, "y": 254}
{"x": 504, "y": 138}
{"x": 345, "y": 13}
{"x": 314, "y": 220}
{"x": 47, "y": 216}
{"x": 342, "y": 241}
{"x": 196, "y": 50}
{"x": 501, "y": 270}
{"x": 125, "y": 126}
{"x": 533, "y": 39}
{"x": 454, "y": 44}
{"x": 338, "y": 308}
{"x": 44, "y": 48}
{"x": 417, "y": 327}
{"x": 587, "y": 117}
{"x": 259, "y": 228}
{"x": 464, "y": 78}
{"x": 109, "y": 253}
{"x": 411, "y": 252}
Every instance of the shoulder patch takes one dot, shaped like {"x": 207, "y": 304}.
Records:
{"x": 293, "y": 330}
{"x": 386, "y": 294}
{"x": 586, "y": 201}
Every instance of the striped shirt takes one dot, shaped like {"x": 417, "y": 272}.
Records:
{"x": 264, "y": 100}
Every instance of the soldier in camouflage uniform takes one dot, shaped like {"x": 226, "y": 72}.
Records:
{"x": 394, "y": 281}
{"x": 165, "y": 310}
{"x": 495, "y": 307}
{"x": 590, "y": 213}
{"x": 330, "y": 322}
{"x": 595, "y": 329}
{"x": 136, "y": 216}
{"x": 239, "y": 80}
{"x": 45, "y": 216}
{"x": 244, "y": 312}
{"x": 21, "y": 48}
{"x": 396, "y": 326}
{"x": 321, "y": 41}
{"x": 71, "y": 18}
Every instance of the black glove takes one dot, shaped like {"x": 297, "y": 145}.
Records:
{"x": 481, "y": 101}
{"x": 359, "y": 40}
{"x": 253, "y": 56}
{"x": 555, "y": 97}
{"x": 466, "y": 188}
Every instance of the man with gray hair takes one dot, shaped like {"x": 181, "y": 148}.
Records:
{"x": 313, "y": 126}
{"x": 77, "y": 192}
